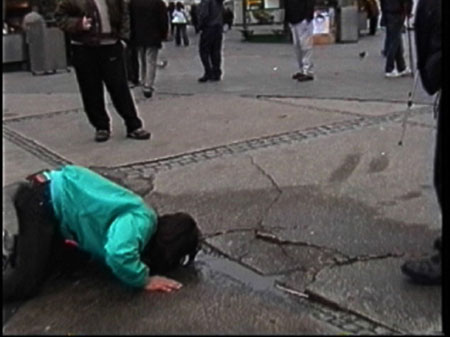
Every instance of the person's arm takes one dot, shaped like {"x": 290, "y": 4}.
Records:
{"x": 203, "y": 13}
{"x": 70, "y": 18}
{"x": 127, "y": 234}
{"x": 124, "y": 30}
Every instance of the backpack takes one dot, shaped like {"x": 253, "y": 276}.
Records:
{"x": 175, "y": 243}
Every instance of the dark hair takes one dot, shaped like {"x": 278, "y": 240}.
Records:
{"x": 177, "y": 236}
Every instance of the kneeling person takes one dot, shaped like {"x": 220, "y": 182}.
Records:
{"x": 106, "y": 220}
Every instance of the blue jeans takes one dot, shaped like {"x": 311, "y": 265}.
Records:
{"x": 394, "y": 43}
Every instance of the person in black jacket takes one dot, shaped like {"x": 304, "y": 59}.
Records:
{"x": 299, "y": 16}
{"x": 394, "y": 13}
{"x": 210, "y": 23}
{"x": 427, "y": 27}
{"x": 98, "y": 31}
{"x": 149, "y": 27}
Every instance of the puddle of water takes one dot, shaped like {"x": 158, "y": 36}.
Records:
{"x": 236, "y": 272}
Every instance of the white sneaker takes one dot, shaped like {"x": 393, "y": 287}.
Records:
{"x": 392, "y": 74}
{"x": 405, "y": 72}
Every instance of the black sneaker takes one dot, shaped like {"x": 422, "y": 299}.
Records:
{"x": 305, "y": 78}
{"x": 427, "y": 271}
{"x": 139, "y": 134}
{"x": 102, "y": 135}
{"x": 148, "y": 92}
{"x": 203, "y": 79}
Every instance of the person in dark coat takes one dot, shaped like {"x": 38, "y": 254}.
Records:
{"x": 149, "y": 27}
{"x": 428, "y": 36}
{"x": 394, "y": 13}
{"x": 98, "y": 31}
{"x": 210, "y": 20}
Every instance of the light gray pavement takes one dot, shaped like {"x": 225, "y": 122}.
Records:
{"x": 307, "y": 204}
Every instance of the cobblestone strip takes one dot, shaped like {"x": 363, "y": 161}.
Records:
{"x": 148, "y": 168}
{"x": 158, "y": 165}
{"x": 34, "y": 148}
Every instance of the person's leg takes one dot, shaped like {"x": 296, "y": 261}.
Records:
{"x": 142, "y": 64}
{"x": 152, "y": 59}
{"x": 429, "y": 270}
{"x": 295, "y": 30}
{"x": 205, "y": 52}
{"x": 373, "y": 23}
{"x": 216, "y": 53}
{"x": 391, "y": 46}
{"x": 177, "y": 34}
{"x": 185, "y": 36}
{"x": 34, "y": 243}
{"x": 84, "y": 60}
{"x": 113, "y": 74}
{"x": 306, "y": 46}
{"x": 400, "y": 53}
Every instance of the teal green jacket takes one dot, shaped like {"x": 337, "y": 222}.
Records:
{"x": 107, "y": 220}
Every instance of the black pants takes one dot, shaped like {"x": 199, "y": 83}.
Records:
{"x": 373, "y": 23}
{"x": 181, "y": 33}
{"x": 211, "y": 50}
{"x": 40, "y": 249}
{"x": 438, "y": 157}
{"x": 95, "y": 66}
{"x": 394, "y": 43}
{"x": 132, "y": 64}
{"x": 37, "y": 227}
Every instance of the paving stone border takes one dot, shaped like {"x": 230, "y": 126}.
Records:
{"x": 147, "y": 168}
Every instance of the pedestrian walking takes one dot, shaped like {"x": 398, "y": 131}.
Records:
{"x": 149, "y": 27}
{"x": 100, "y": 218}
{"x": 394, "y": 13}
{"x": 299, "y": 16}
{"x": 97, "y": 30}
{"x": 180, "y": 21}
{"x": 428, "y": 37}
{"x": 210, "y": 20}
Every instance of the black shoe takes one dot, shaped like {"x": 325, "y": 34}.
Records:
{"x": 203, "y": 79}
{"x": 296, "y": 76}
{"x": 427, "y": 271}
{"x": 102, "y": 135}
{"x": 305, "y": 78}
{"x": 139, "y": 134}
{"x": 148, "y": 92}
{"x": 215, "y": 78}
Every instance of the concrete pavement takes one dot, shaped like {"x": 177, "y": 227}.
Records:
{"x": 307, "y": 204}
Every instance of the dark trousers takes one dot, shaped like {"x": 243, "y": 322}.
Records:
{"x": 132, "y": 64}
{"x": 211, "y": 50}
{"x": 40, "y": 249}
{"x": 37, "y": 227}
{"x": 438, "y": 157}
{"x": 181, "y": 33}
{"x": 373, "y": 23}
{"x": 394, "y": 43}
{"x": 95, "y": 66}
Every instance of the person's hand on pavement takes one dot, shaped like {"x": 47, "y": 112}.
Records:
{"x": 160, "y": 283}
